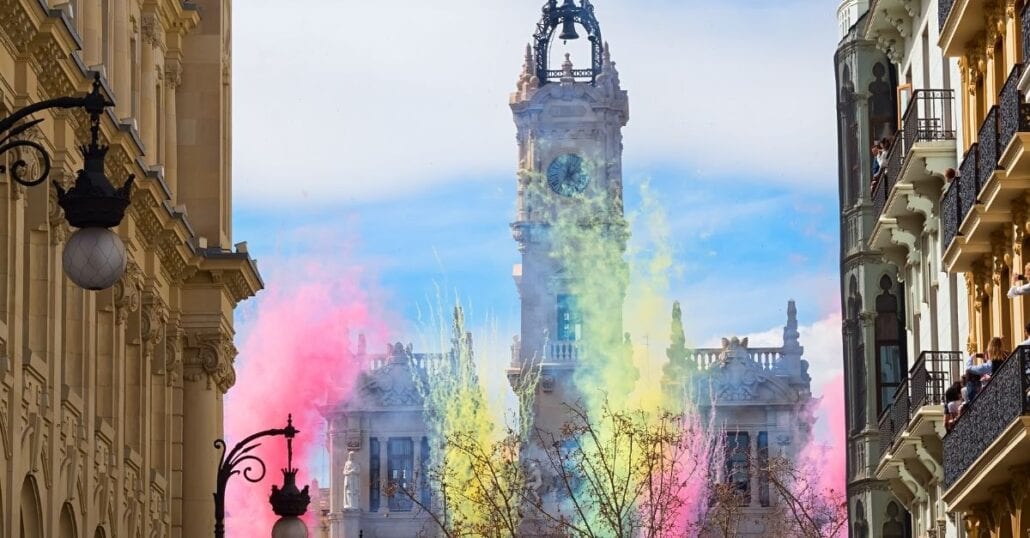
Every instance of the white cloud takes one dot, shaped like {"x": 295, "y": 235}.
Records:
{"x": 348, "y": 99}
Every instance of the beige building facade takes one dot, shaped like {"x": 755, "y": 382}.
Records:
{"x": 110, "y": 401}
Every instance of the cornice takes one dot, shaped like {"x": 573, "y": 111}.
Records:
{"x": 236, "y": 272}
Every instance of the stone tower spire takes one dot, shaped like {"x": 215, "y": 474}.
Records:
{"x": 791, "y": 336}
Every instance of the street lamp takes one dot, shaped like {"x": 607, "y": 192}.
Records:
{"x": 288, "y": 502}
{"x": 94, "y": 256}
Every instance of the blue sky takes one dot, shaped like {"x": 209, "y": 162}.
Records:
{"x": 382, "y": 129}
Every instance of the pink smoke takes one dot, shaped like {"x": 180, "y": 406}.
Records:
{"x": 296, "y": 356}
{"x": 828, "y": 449}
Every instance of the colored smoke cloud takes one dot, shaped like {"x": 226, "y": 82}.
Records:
{"x": 295, "y": 357}
{"x": 827, "y": 450}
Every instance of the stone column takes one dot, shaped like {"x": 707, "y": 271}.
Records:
{"x": 93, "y": 30}
{"x": 148, "y": 93}
{"x": 120, "y": 70}
{"x": 173, "y": 78}
{"x": 207, "y": 374}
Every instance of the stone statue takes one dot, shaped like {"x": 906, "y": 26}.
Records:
{"x": 351, "y": 481}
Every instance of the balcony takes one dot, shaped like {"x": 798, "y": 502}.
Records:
{"x": 906, "y": 195}
{"x": 991, "y": 438}
{"x": 960, "y": 21}
{"x": 912, "y": 427}
{"x": 995, "y": 173}
{"x": 943, "y": 10}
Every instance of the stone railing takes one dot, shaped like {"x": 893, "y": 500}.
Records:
{"x": 1005, "y": 398}
{"x": 766, "y": 357}
{"x": 563, "y": 351}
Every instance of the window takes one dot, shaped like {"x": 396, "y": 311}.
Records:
{"x": 570, "y": 322}
{"x": 373, "y": 474}
{"x": 423, "y": 464}
{"x": 738, "y": 458}
{"x": 891, "y": 365}
{"x": 400, "y": 459}
{"x": 763, "y": 464}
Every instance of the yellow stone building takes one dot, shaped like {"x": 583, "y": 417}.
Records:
{"x": 985, "y": 224}
{"x": 111, "y": 400}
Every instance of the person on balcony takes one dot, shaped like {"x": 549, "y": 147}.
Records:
{"x": 1020, "y": 285}
{"x": 952, "y": 404}
{"x": 974, "y": 374}
{"x": 996, "y": 354}
{"x": 1026, "y": 333}
{"x": 876, "y": 151}
{"x": 885, "y": 148}
{"x": 949, "y": 176}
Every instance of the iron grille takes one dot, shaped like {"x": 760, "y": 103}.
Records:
{"x": 886, "y": 424}
{"x": 931, "y": 375}
{"x": 1025, "y": 30}
{"x": 1013, "y": 111}
{"x": 943, "y": 9}
{"x": 950, "y": 208}
{"x": 1002, "y": 400}
{"x": 968, "y": 182}
{"x": 929, "y": 117}
{"x": 987, "y": 146}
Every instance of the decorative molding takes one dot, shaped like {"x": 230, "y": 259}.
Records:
{"x": 209, "y": 356}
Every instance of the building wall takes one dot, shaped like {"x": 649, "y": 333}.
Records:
{"x": 866, "y": 110}
{"x": 936, "y": 317}
{"x": 110, "y": 401}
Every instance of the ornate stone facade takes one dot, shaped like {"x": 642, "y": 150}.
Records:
{"x": 110, "y": 401}
{"x": 762, "y": 398}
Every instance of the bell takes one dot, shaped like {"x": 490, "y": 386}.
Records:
{"x": 568, "y": 29}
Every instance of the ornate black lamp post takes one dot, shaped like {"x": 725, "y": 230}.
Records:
{"x": 94, "y": 256}
{"x": 288, "y": 502}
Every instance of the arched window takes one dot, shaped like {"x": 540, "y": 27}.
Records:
{"x": 893, "y": 526}
{"x": 67, "y": 525}
{"x": 861, "y": 526}
{"x": 31, "y": 512}
{"x": 891, "y": 365}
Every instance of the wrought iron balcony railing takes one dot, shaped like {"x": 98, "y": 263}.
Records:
{"x": 926, "y": 383}
{"x": 987, "y": 146}
{"x": 1013, "y": 110}
{"x": 886, "y": 427}
{"x": 967, "y": 181}
{"x": 1004, "y": 399}
{"x": 1025, "y": 30}
{"x": 950, "y": 213}
{"x": 881, "y": 189}
{"x": 928, "y": 117}
{"x": 943, "y": 9}
{"x": 931, "y": 375}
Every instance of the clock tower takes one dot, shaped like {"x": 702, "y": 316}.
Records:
{"x": 569, "y": 122}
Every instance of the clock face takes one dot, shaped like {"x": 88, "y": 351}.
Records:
{"x": 566, "y": 176}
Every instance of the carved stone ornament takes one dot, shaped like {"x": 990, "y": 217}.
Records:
{"x": 393, "y": 385}
{"x": 208, "y": 357}
{"x": 127, "y": 292}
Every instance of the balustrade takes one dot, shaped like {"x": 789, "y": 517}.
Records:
{"x": 1002, "y": 400}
